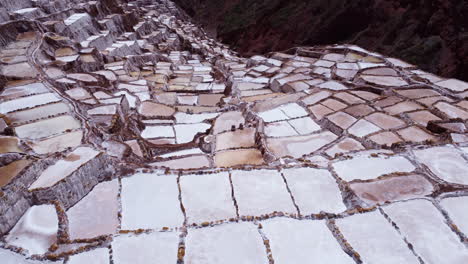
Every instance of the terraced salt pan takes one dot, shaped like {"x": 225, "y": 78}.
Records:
{"x": 157, "y": 247}
{"x": 183, "y": 118}
{"x": 299, "y": 145}
{"x": 23, "y": 90}
{"x": 96, "y": 256}
{"x": 445, "y": 162}
{"x": 456, "y": 208}
{"x": 186, "y": 132}
{"x": 296, "y": 242}
{"x": 182, "y": 153}
{"x": 27, "y": 102}
{"x": 314, "y": 190}
{"x": 57, "y": 143}
{"x": 284, "y": 112}
{"x": 48, "y": 127}
{"x": 158, "y": 132}
{"x": 103, "y": 110}
{"x": 393, "y": 189}
{"x": 365, "y": 168}
{"x": 375, "y": 239}
{"x": 39, "y": 112}
{"x": 64, "y": 168}
{"x": 36, "y": 231}
{"x": 150, "y": 202}
{"x": 260, "y": 192}
{"x": 426, "y": 229}
{"x": 280, "y": 129}
{"x": 191, "y": 162}
{"x": 8, "y": 257}
{"x": 201, "y": 203}
{"x": 227, "y": 244}
{"x": 385, "y": 80}
{"x": 96, "y": 214}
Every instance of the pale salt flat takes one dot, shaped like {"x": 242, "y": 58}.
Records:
{"x": 183, "y": 118}
{"x": 332, "y": 85}
{"x": 157, "y": 247}
{"x": 57, "y": 143}
{"x": 273, "y": 115}
{"x": 293, "y": 110}
{"x": 39, "y": 112}
{"x": 96, "y": 214}
{"x": 36, "y": 230}
{"x": 363, "y": 128}
{"x": 299, "y": 145}
{"x": 182, "y": 153}
{"x": 65, "y": 167}
{"x": 304, "y": 125}
{"x": 186, "y": 132}
{"x": 150, "y": 202}
{"x": 96, "y": 256}
{"x": 207, "y": 197}
{"x": 279, "y": 129}
{"x": 27, "y": 102}
{"x": 103, "y": 110}
{"x": 314, "y": 190}
{"x": 47, "y": 127}
{"x": 157, "y": 132}
{"x": 445, "y": 162}
{"x": 227, "y": 244}
{"x": 375, "y": 239}
{"x": 303, "y": 242}
{"x": 426, "y": 229}
{"x": 457, "y": 209}
{"x": 32, "y": 88}
{"x": 259, "y": 192}
{"x": 9, "y": 257}
{"x": 366, "y": 168}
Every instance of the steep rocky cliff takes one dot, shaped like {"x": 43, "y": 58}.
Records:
{"x": 429, "y": 33}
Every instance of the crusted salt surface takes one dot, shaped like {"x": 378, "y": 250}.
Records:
{"x": 446, "y": 163}
{"x": 8, "y": 257}
{"x": 375, "y": 239}
{"x": 150, "y": 201}
{"x": 456, "y": 209}
{"x": 96, "y": 214}
{"x": 426, "y": 229}
{"x": 314, "y": 190}
{"x": 366, "y": 168}
{"x": 259, "y": 192}
{"x": 63, "y": 168}
{"x": 48, "y": 127}
{"x": 294, "y": 241}
{"x": 27, "y": 102}
{"x": 156, "y": 247}
{"x": 186, "y": 132}
{"x": 36, "y": 231}
{"x": 228, "y": 243}
{"x": 96, "y": 256}
{"x": 207, "y": 198}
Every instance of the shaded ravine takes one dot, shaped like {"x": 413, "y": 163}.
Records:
{"x": 429, "y": 33}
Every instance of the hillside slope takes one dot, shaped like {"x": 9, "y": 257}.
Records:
{"x": 429, "y": 33}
